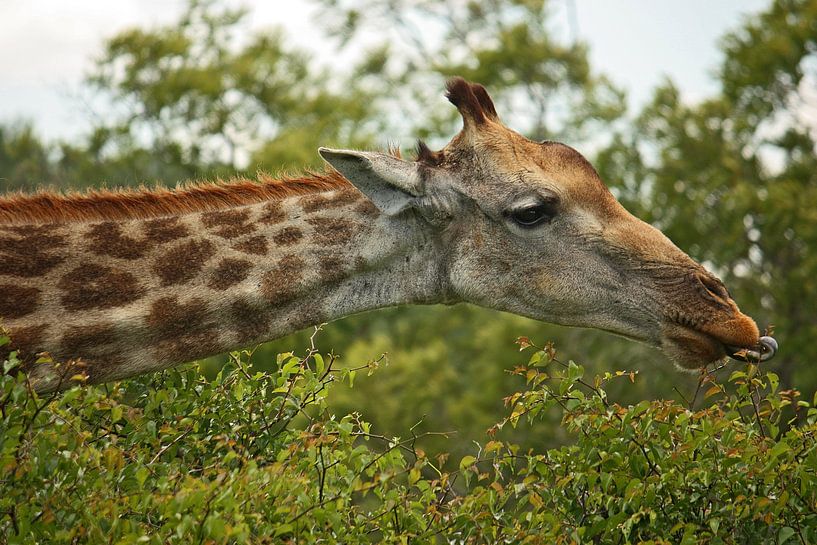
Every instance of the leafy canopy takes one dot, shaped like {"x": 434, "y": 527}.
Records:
{"x": 256, "y": 457}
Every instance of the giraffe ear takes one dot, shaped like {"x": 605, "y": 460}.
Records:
{"x": 390, "y": 183}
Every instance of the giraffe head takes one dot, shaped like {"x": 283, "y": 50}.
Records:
{"x": 529, "y": 228}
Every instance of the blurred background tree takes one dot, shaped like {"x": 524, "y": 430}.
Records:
{"x": 731, "y": 179}
{"x": 543, "y": 86}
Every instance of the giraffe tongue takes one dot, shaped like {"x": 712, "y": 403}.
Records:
{"x": 765, "y": 350}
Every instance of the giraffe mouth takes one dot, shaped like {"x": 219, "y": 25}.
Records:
{"x": 765, "y": 349}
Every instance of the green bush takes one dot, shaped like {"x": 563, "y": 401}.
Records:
{"x": 254, "y": 457}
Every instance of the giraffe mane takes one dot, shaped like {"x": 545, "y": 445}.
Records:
{"x": 55, "y": 207}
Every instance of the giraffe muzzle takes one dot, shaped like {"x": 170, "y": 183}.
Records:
{"x": 765, "y": 350}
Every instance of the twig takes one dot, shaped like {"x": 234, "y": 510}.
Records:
{"x": 754, "y": 393}
{"x": 164, "y": 448}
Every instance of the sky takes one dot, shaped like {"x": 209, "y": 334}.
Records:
{"x": 47, "y": 46}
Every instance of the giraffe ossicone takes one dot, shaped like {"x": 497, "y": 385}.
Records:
{"x": 123, "y": 283}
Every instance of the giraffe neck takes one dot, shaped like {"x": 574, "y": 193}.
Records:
{"x": 133, "y": 296}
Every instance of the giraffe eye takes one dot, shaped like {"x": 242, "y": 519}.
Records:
{"x": 533, "y": 215}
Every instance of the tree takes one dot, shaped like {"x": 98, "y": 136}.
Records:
{"x": 512, "y": 47}
{"x": 196, "y": 86}
{"x": 257, "y": 458}
{"x": 24, "y": 158}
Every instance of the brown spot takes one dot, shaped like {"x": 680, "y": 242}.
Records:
{"x": 331, "y": 268}
{"x": 256, "y": 245}
{"x": 342, "y": 197}
{"x": 288, "y": 236}
{"x": 33, "y": 230}
{"x": 17, "y": 301}
{"x": 87, "y": 341}
{"x": 279, "y": 285}
{"x": 228, "y": 223}
{"x": 107, "y": 239}
{"x": 182, "y": 331}
{"x": 225, "y": 217}
{"x": 168, "y": 318}
{"x": 367, "y": 208}
{"x": 229, "y": 272}
{"x": 183, "y": 262}
{"x": 27, "y": 341}
{"x": 273, "y": 213}
{"x": 233, "y": 231}
{"x": 331, "y": 231}
{"x": 95, "y": 348}
{"x": 312, "y": 203}
{"x": 322, "y": 201}
{"x": 164, "y": 230}
{"x": 190, "y": 347}
{"x": 29, "y": 251}
{"x": 251, "y": 320}
{"x": 98, "y": 286}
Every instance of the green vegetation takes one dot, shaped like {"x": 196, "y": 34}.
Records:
{"x": 253, "y": 457}
{"x": 740, "y": 163}
{"x": 731, "y": 179}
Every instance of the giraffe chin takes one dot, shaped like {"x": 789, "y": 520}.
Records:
{"x": 692, "y": 349}
{"x": 696, "y": 347}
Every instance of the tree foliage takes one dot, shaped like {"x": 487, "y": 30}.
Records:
{"x": 23, "y": 157}
{"x": 212, "y": 91}
{"x": 257, "y": 457}
{"x": 543, "y": 82}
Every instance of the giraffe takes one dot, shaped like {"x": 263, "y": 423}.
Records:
{"x": 128, "y": 282}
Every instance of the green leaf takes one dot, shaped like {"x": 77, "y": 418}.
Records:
{"x": 467, "y": 461}
{"x": 290, "y": 366}
{"x": 574, "y": 371}
{"x": 785, "y": 534}
{"x": 281, "y": 529}
{"x": 141, "y": 475}
{"x": 778, "y": 449}
{"x": 116, "y": 413}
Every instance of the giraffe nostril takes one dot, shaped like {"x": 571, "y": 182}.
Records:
{"x": 713, "y": 288}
